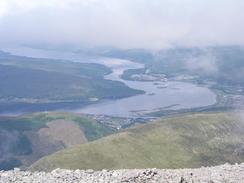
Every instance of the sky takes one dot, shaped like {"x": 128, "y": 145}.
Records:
{"x": 149, "y": 24}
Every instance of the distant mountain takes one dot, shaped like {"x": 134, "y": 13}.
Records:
{"x": 192, "y": 140}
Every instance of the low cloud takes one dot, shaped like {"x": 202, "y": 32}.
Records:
{"x": 127, "y": 24}
{"x": 206, "y": 63}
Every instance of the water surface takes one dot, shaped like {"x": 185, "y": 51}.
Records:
{"x": 175, "y": 95}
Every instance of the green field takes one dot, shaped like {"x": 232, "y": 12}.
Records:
{"x": 193, "y": 140}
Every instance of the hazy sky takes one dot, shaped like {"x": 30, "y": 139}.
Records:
{"x": 122, "y": 23}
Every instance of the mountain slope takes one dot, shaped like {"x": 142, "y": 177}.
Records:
{"x": 185, "y": 141}
{"x": 28, "y": 138}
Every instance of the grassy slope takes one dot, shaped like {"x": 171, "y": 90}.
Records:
{"x": 18, "y": 144}
{"x": 185, "y": 141}
{"x": 33, "y": 122}
{"x": 92, "y": 129}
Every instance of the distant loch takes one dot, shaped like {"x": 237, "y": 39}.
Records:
{"x": 178, "y": 95}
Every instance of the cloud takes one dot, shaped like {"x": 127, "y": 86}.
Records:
{"x": 3, "y": 8}
{"x": 206, "y": 63}
{"x": 122, "y": 23}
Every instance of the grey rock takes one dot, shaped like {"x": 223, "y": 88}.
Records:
{"x": 220, "y": 174}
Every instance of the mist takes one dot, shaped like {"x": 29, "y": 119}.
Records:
{"x": 7, "y": 144}
{"x": 206, "y": 62}
{"x": 146, "y": 24}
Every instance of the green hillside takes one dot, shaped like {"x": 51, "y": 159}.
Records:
{"x": 31, "y": 81}
{"x": 184, "y": 141}
{"x": 28, "y": 138}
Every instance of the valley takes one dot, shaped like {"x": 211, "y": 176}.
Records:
{"x": 147, "y": 98}
{"x": 68, "y": 110}
{"x": 33, "y": 85}
{"x": 121, "y": 91}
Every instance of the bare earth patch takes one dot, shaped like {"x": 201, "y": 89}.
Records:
{"x": 58, "y": 135}
{"x": 68, "y": 132}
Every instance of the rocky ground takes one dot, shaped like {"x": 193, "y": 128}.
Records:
{"x": 219, "y": 174}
